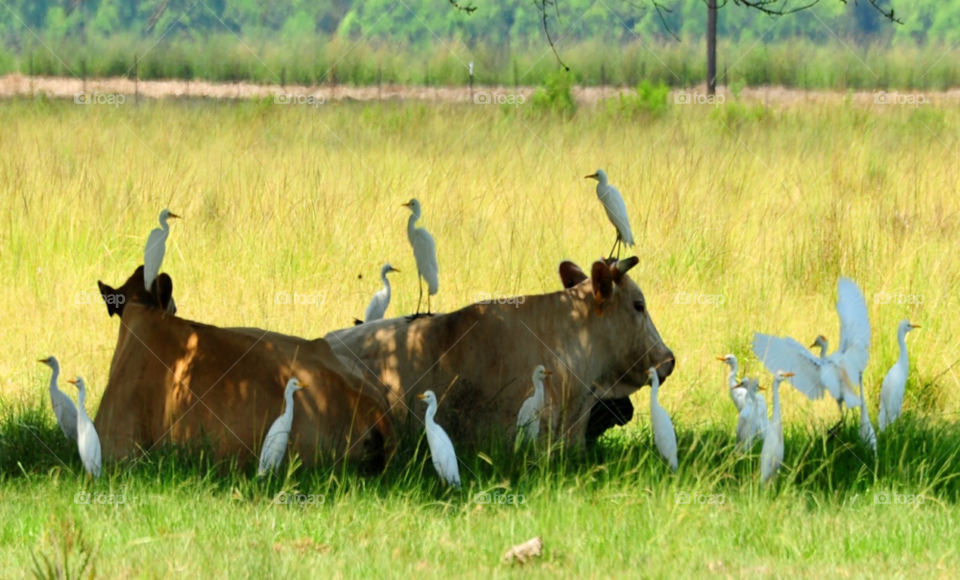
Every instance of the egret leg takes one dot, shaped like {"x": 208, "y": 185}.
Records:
{"x": 615, "y": 243}
{"x": 419, "y": 301}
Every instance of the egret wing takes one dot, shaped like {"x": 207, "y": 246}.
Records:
{"x": 445, "y": 457}
{"x": 66, "y": 413}
{"x": 274, "y": 446}
{"x": 786, "y": 354}
{"x": 425, "y": 252}
{"x": 854, "y": 329}
{"x": 377, "y": 307}
{"x": 617, "y": 212}
{"x": 153, "y": 256}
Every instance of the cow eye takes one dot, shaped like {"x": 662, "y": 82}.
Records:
{"x": 638, "y": 306}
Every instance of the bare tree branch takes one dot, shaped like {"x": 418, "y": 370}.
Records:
{"x": 542, "y": 5}
{"x": 468, "y": 8}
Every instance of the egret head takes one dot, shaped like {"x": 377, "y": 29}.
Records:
{"x": 540, "y": 373}
{"x": 781, "y": 376}
{"x": 414, "y": 206}
{"x": 386, "y": 269}
{"x": 167, "y": 214}
{"x": 293, "y": 385}
{"x": 906, "y": 326}
{"x": 428, "y": 397}
{"x": 729, "y": 359}
{"x": 51, "y": 362}
{"x": 752, "y": 385}
{"x": 600, "y": 176}
{"x": 78, "y": 382}
{"x": 820, "y": 341}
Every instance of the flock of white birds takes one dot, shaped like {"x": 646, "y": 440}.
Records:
{"x": 839, "y": 374}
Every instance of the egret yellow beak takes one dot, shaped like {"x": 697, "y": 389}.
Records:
{"x": 72, "y": 381}
{"x": 173, "y": 215}
{"x": 722, "y": 358}
{"x": 591, "y": 176}
{"x": 548, "y": 373}
{"x": 813, "y": 345}
{"x": 43, "y": 360}
{"x": 405, "y": 204}
{"x": 914, "y": 326}
{"x": 394, "y": 269}
{"x": 787, "y": 375}
{"x": 422, "y": 397}
{"x": 761, "y": 388}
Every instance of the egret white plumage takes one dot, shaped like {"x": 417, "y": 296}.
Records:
{"x": 425, "y": 252}
{"x": 664, "y": 435}
{"x": 771, "y": 456}
{"x": 894, "y": 384}
{"x": 838, "y": 374}
{"x": 738, "y": 393}
{"x": 867, "y": 435}
{"x": 528, "y": 420}
{"x": 441, "y": 448}
{"x": 88, "y": 442}
{"x": 616, "y": 210}
{"x": 752, "y": 421}
{"x": 63, "y": 407}
{"x": 275, "y": 443}
{"x": 155, "y": 249}
{"x": 381, "y": 300}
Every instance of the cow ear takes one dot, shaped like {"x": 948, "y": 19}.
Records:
{"x": 571, "y": 274}
{"x": 165, "y": 292}
{"x": 602, "y": 281}
{"x": 622, "y": 267}
{"x": 106, "y": 291}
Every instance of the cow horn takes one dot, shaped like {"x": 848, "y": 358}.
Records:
{"x": 622, "y": 267}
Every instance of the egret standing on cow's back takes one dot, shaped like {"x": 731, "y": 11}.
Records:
{"x": 616, "y": 210}
{"x": 441, "y": 448}
{"x": 63, "y": 407}
{"x": 528, "y": 420}
{"x": 275, "y": 443}
{"x": 894, "y": 384}
{"x": 88, "y": 443}
{"x": 664, "y": 436}
{"x": 425, "y": 252}
{"x": 155, "y": 249}
{"x": 381, "y": 300}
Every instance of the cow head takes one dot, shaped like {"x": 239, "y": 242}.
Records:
{"x": 134, "y": 290}
{"x": 621, "y": 325}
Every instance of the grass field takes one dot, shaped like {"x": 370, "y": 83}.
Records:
{"x": 760, "y": 208}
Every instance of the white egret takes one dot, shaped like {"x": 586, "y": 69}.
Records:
{"x": 891, "y": 393}
{"x": 441, "y": 448}
{"x": 867, "y": 435}
{"x": 771, "y": 456}
{"x": 838, "y": 374}
{"x": 664, "y": 435}
{"x": 425, "y": 252}
{"x": 753, "y": 421}
{"x": 381, "y": 300}
{"x": 63, "y": 407}
{"x": 88, "y": 442}
{"x": 528, "y": 420}
{"x": 738, "y": 393}
{"x": 616, "y": 210}
{"x": 155, "y": 249}
{"x": 275, "y": 443}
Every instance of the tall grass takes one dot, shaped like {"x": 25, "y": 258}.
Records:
{"x": 798, "y": 63}
{"x": 765, "y": 207}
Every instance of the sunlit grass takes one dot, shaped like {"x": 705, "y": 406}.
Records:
{"x": 765, "y": 210}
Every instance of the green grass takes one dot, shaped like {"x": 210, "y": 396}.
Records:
{"x": 764, "y": 205}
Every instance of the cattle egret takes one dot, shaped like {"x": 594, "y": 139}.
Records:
{"x": 616, "y": 210}
{"x": 753, "y": 421}
{"x": 275, "y": 443}
{"x": 425, "y": 252}
{"x": 771, "y": 456}
{"x": 155, "y": 249}
{"x": 867, "y": 435}
{"x": 88, "y": 443}
{"x": 738, "y": 393}
{"x": 838, "y": 374}
{"x": 528, "y": 421}
{"x": 63, "y": 407}
{"x": 891, "y": 393}
{"x": 441, "y": 448}
{"x": 663, "y": 434}
{"x": 381, "y": 300}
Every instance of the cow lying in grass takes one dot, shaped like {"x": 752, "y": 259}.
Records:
{"x": 596, "y": 336}
{"x": 182, "y": 382}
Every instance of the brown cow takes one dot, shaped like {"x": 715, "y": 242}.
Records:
{"x": 180, "y": 381}
{"x": 596, "y": 336}
{"x": 134, "y": 290}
